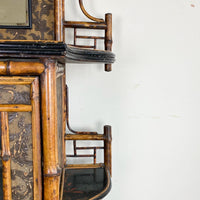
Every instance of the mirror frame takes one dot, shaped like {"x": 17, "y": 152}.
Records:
{"x": 29, "y": 26}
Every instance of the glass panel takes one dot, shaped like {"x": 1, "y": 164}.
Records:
{"x": 14, "y": 13}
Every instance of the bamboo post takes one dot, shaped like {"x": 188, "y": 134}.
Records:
{"x": 51, "y": 171}
{"x": 108, "y": 148}
{"x": 37, "y": 175}
{"x": 7, "y": 193}
{"x": 108, "y": 38}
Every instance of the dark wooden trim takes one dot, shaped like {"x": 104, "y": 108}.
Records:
{"x": 33, "y": 47}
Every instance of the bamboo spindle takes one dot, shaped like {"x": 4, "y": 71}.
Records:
{"x": 7, "y": 193}
{"x": 37, "y": 175}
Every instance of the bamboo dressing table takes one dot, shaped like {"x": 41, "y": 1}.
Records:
{"x": 34, "y": 109}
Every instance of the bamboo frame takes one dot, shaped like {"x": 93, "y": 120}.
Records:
{"x": 6, "y": 160}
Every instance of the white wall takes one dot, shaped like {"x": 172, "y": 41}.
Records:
{"x": 152, "y": 98}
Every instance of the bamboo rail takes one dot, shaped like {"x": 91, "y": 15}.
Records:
{"x": 84, "y": 166}
{"x": 84, "y": 137}
{"x": 15, "y": 108}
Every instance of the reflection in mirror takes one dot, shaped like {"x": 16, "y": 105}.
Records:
{"x": 14, "y": 13}
{"x": 1, "y": 177}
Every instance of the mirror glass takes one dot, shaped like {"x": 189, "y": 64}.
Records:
{"x": 15, "y": 13}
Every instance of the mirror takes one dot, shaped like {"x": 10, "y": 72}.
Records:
{"x": 15, "y": 14}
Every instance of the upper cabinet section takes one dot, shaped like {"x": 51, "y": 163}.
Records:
{"x": 27, "y": 20}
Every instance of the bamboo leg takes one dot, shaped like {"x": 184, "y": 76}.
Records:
{"x": 7, "y": 194}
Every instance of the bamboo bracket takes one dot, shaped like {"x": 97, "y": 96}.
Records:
{"x": 87, "y": 14}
